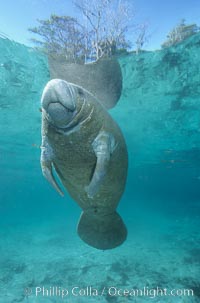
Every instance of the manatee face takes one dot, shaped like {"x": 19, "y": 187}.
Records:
{"x": 59, "y": 102}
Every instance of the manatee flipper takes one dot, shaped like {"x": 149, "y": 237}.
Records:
{"x": 46, "y": 164}
{"x": 102, "y": 231}
{"x": 103, "y": 146}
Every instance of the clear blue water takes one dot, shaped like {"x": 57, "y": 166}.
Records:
{"x": 41, "y": 254}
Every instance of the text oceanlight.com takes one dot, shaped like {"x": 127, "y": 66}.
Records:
{"x": 112, "y": 291}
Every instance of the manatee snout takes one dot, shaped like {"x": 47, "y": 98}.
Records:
{"x": 58, "y": 100}
{"x": 59, "y": 114}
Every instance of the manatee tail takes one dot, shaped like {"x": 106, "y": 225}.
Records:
{"x": 102, "y": 231}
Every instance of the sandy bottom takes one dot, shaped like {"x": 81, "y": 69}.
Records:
{"x": 41, "y": 262}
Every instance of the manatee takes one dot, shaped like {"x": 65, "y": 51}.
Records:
{"x": 102, "y": 78}
{"x": 86, "y": 148}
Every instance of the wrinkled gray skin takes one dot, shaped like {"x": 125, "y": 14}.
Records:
{"x": 87, "y": 149}
{"x": 102, "y": 78}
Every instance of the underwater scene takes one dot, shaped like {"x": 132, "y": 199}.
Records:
{"x": 153, "y": 255}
